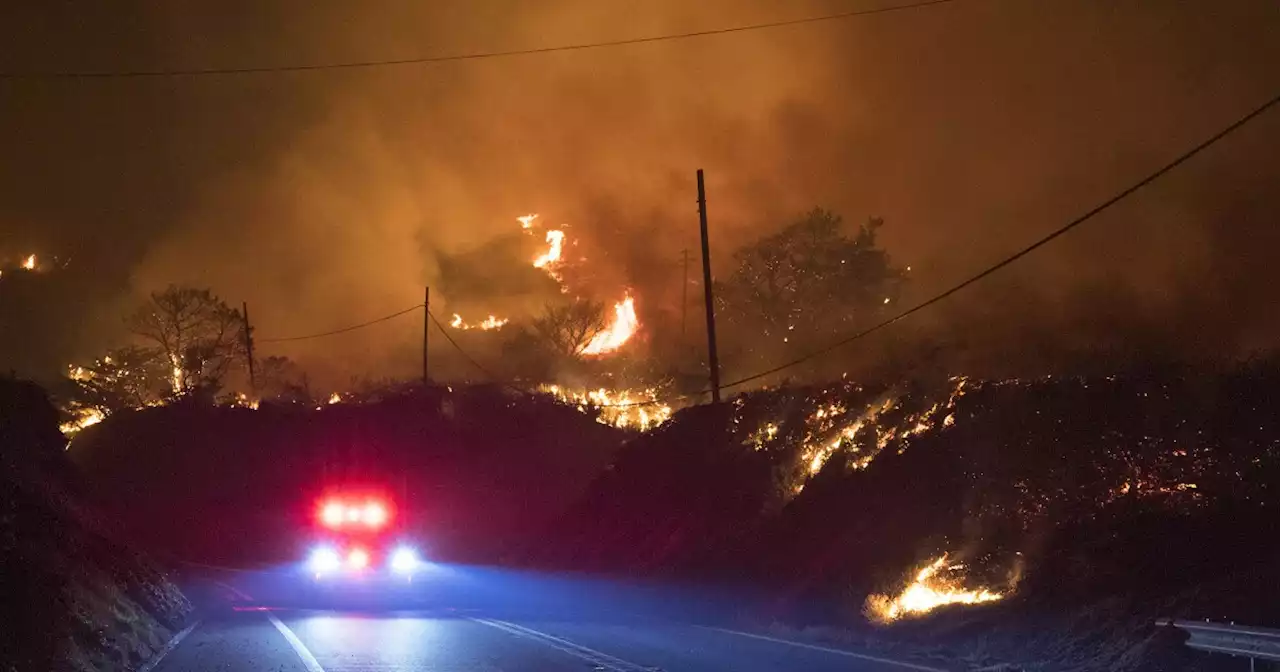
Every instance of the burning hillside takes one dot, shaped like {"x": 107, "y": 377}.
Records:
{"x": 625, "y": 409}
{"x": 1055, "y": 491}
{"x": 938, "y": 584}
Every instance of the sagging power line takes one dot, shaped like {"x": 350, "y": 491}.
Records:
{"x": 343, "y": 330}
{"x": 935, "y": 299}
{"x": 472, "y": 56}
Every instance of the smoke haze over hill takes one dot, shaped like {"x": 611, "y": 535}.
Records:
{"x": 326, "y": 198}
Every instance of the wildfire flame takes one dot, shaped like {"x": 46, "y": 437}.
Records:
{"x": 29, "y": 263}
{"x": 487, "y": 324}
{"x": 620, "y": 330}
{"x": 85, "y": 417}
{"x": 335, "y": 398}
{"x": 550, "y": 259}
{"x": 176, "y": 378}
{"x": 526, "y": 221}
{"x": 935, "y": 585}
{"x": 624, "y": 409}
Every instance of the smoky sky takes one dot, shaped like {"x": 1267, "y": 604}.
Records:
{"x": 329, "y": 197}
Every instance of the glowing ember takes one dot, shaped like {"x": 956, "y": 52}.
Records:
{"x": 620, "y": 330}
{"x": 335, "y": 398}
{"x": 526, "y": 221}
{"x": 624, "y": 409}
{"x": 487, "y": 324}
{"x": 29, "y": 263}
{"x": 936, "y": 585}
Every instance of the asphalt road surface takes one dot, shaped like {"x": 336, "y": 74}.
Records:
{"x": 477, "y": 621}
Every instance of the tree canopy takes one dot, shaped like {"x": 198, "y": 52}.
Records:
{"x": 807, "y": 284}
{"x": 199, "y": 336}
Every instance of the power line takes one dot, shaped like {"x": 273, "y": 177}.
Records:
{"x": 342, "y": 330}
{"x": 1090, "y": 214}
{"x": 473, "y": 56}
{"x": 1096, "y": 210}
{"x": 462, "y": 352}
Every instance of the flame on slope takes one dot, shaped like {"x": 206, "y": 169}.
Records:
{"x": 335, "y": 398}
{"x": 620, "y": 330}
{"x": 624, "y": 409}
{"x": 29, "y": 263}
{"x": 526, "y": 221}
{"x": 84, "y": 417}
{"x": 832, "y": 428}
{"x": 936, "y": 584}
{"x": 549, "y": 261}
{"x": 489, "y": 323}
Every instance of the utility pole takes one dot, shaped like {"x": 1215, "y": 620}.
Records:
{"x": 684, "y": 295}
{"x": 248, "y": 349}
{"x": 706, "y": 289}
{"x": 426, "y": 331}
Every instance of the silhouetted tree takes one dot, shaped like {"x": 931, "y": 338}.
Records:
{"x": 198, "y": 335}
{"x": 566, "y": 329}
{"x": 808, "y": 284}
{"x": 128, "y": 377}
{"x": 281, "y": 379}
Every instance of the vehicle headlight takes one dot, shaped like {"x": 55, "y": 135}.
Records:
{"x": 324, "y": 561}
{"x": 404, "y": 560}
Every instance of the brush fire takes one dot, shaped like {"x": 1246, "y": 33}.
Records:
{"x": 937, "y": 584}
{"x": 834, "y": 425}
{"x": 488, "y": 324}
{"x": 620, "y": 329}
{"x": 550, "y": 260}
{"x": 624, "y": 409}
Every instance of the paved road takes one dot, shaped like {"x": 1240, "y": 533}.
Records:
{"x": 271, "y": 624}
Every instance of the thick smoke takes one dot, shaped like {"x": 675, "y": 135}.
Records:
{"x": 327, "y": 198}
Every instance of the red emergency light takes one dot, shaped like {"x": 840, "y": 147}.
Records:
{"x": 336, "y": 513}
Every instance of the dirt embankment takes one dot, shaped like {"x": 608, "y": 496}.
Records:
{"x": 74, "y": 597}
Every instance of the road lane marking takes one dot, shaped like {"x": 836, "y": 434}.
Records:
{"x": 233, "y": 590}
{"x": 169, "y": 647}
{"x": 598, "y": 658}
{"x": 308, "y": 661}
{"x": 816, "y": 647}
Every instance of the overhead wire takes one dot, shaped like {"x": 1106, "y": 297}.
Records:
{"x": 1037, "y": 244}
{"x": 1041, "y": 242}
{"x": 472, "y": 56}
{"x": 448, "y": 337}
{"x": 343, "y": 330}
{"x": 1090, "y": 214}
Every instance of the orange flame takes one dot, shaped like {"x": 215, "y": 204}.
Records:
{"x": 526, "y": 221}
{"x": 927, "y": 592}
{"x": 551, "y": 257}
{"x": 489, "y": 323}
{"x": 624, "y": 326}
{"x": 29, "y": 263}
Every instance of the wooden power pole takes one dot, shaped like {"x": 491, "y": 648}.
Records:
{"x": 714, "y": 362}
{"x": 426, "y": 331}
{"x": 248, "y": 349}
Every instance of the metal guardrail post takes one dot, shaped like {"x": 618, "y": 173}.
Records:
{"x": 1229, "y": 638}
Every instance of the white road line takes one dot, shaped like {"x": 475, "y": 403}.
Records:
{"x": 565, "y": 642}
{"x": 308, "y": 661}
{"x": 598, "y": 658}
{"x": 233, "y": 590}
{"x": 840, "y": 652}
{"x": 173, "y": 644}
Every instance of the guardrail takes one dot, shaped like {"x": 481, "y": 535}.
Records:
{"x": 1236, "y": 640}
